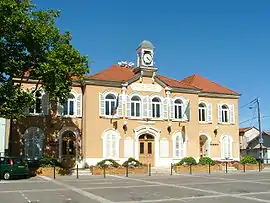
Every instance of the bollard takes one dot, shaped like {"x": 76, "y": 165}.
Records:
{"x": 127, "y": 170}
{"x": 104, "y": 172}
{"x": 259, "y": 166}
{"x": 171, "y": 168}
{"x": 226, "y": 166}
{"x": 244, "y": 167}
{"x": 77, "y": 171}
{"x": 190, "y": 169}
{"x": 149, "y": 168}
{"x": 209, "y": 168}
{"x": 54, "y": 172}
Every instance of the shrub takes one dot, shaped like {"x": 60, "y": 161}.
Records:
{"x": 187, "y": 161}
{"x": 107, "y": 163}
{"x": 132, "y": 162}
{"x": 248, "y": 160}
{"x": 206, "y": 161}
{"x": 48, "y": 162}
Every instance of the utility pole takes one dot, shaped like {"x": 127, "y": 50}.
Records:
{"x": 260, "y": 129}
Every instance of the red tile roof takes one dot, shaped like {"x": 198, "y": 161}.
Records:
{"x": 208, "y": 85}
{"x": 175, "y": 83}
{"x": 242, "y": 130}
{"x": 114, "y": 73}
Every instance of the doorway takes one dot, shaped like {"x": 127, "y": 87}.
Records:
{"x": 146, "y": 149}
{"x": 204, "y": 146}
{"x": 68, "y": 149}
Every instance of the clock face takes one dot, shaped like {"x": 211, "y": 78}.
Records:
{"x": 147, "y": 58}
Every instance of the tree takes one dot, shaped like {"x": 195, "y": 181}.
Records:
{"x": 32, "y": 47}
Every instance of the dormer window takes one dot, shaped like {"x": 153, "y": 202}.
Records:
{"x": 156, "y": 104}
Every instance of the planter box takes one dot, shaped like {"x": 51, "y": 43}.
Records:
{"x": 196, "y": 168}
{"x": 248, "y": 166}
{"x": 96, "y": 170}
{"x": 48, "y": 171}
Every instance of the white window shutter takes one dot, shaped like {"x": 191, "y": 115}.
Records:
{"x": 45, "y": 104}
{"x": 172, "y": 109}
{"x": 101, "y": 104}
{"x": 60, "y": 109}
{"x": 209, "y": 113}
{"x": 165, "y": 108}
{"x": 232, "y": 114}
{"x": 186, "y": 109}
{"x": 79, "y": 105}
{"x": 219, "y": 113}
{"x": 128, "y": 106}
{"x": 108, "y": 141}
{"x": 150, "y": 113}
{"x": 120, "y": 106}
{"x": 114, "y": 146}
{"x": 145, "y": 106}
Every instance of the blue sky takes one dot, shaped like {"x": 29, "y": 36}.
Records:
{"x": 225, "y": 41}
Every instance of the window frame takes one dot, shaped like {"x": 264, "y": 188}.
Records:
{"x": 222, "y": 150}
{"x": 159, "y": 103}
{"x": 200, "y": 111}
{"x": 177, "y": 106}
{"x": 35, "y": 105}
{"x": 136, "y": 102}
{"x": 110, "y": 103}
{"x": 68, "y": 106}
{"x": 227, "y": 109}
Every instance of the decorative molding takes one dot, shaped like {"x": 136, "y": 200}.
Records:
{"x": 146, "y": 87}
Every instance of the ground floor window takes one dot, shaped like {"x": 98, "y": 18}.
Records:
{"x": 68, "y": 144}
{"x": 34, "y": 141}
{"x": 226, "y": 147}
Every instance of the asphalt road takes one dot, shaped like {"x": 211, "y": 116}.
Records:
{"x": 250, "y": 187}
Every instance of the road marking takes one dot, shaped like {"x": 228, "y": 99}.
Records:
{"x": 32, "y": 190}
{"x": 80, "y": 191}
{"x": 195, "y": 189}
{"x": 18, "y": 181}
{"x": 119, "y": 187}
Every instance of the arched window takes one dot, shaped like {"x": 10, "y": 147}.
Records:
{"x": 179, "y": 145}
{"x": 202, "y": 112}
{"x": 225, "y": 113}
{"x": 111, "y": 144}
{"x": 110, "y": 104}
{"x": 37, "y": 107}
{"x": 136, "y": 106}
{"x": 69, "y": 106}
{"x": 68, "y": 144}
{"x": 226, "y": 147}
{"x": 156, "y": 107}
{"x": 34, "y": 141}
{"x": 178, "y": 109}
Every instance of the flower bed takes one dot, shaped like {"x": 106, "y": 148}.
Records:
{"x": 196, "y": 168}
{"x": 109, "y": 166}
{"x": 248, "y": 166}
{"x": 49, "y": 171}
{"x": 96, "y": 170}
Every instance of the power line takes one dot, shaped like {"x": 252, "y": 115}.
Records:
{"x": 251, "y": 102}
{"x": 253, "y": 119}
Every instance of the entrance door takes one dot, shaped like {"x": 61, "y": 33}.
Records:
{"x": 69, "y": 148}
{"x": 203, "y": 146}
{"x": 146, "y": 149}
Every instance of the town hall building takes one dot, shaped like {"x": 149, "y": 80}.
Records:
{"x": 132, "y": 111}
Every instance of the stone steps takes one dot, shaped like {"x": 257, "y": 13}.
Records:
{"x": 81, "y": 172}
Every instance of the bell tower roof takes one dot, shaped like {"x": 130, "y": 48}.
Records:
{"x": 145, "y": 44}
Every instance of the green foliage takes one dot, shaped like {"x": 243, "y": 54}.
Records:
{"x": 48, "y": 162}
{"x": 206, "y": 161}
{"x": 132, "y": 162}
{"x": 248, "y": 160}
{"x": 187, "y": 161}
{"x": 30, "y": 42}
{"x": 108, "y": 163}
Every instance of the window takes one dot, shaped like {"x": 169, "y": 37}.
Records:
{"x": 156, "y": 108}
{"x": 178, "y": 109}
{"x": 34, "y": 139}
{"x": 179, "y": 145}
{"x": 110, "y": 104}
{"x": 202, "y": 112}
{"x": 111, "y": 144}
{"x": 135, "y": 106}
{"x": 226, "y": 147}
{"x": 225, "y": 113}
{"x": 37, "y": 107}
{"x": 69, "y": 106}
{"x": 68, "y": 144}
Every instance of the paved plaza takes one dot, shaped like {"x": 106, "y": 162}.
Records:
{"x": 249, "y": 187}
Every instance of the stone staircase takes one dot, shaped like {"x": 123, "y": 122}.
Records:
{"x": 229, "y": 168}
{"x": 81, "y": 172}
{"x": 160, "y": 170}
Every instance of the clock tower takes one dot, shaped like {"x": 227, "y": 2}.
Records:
{"x": 145, "y": 60}
{"x": 145, "y": 54}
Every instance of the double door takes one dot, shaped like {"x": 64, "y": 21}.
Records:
{"x": 146, "y": 150}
